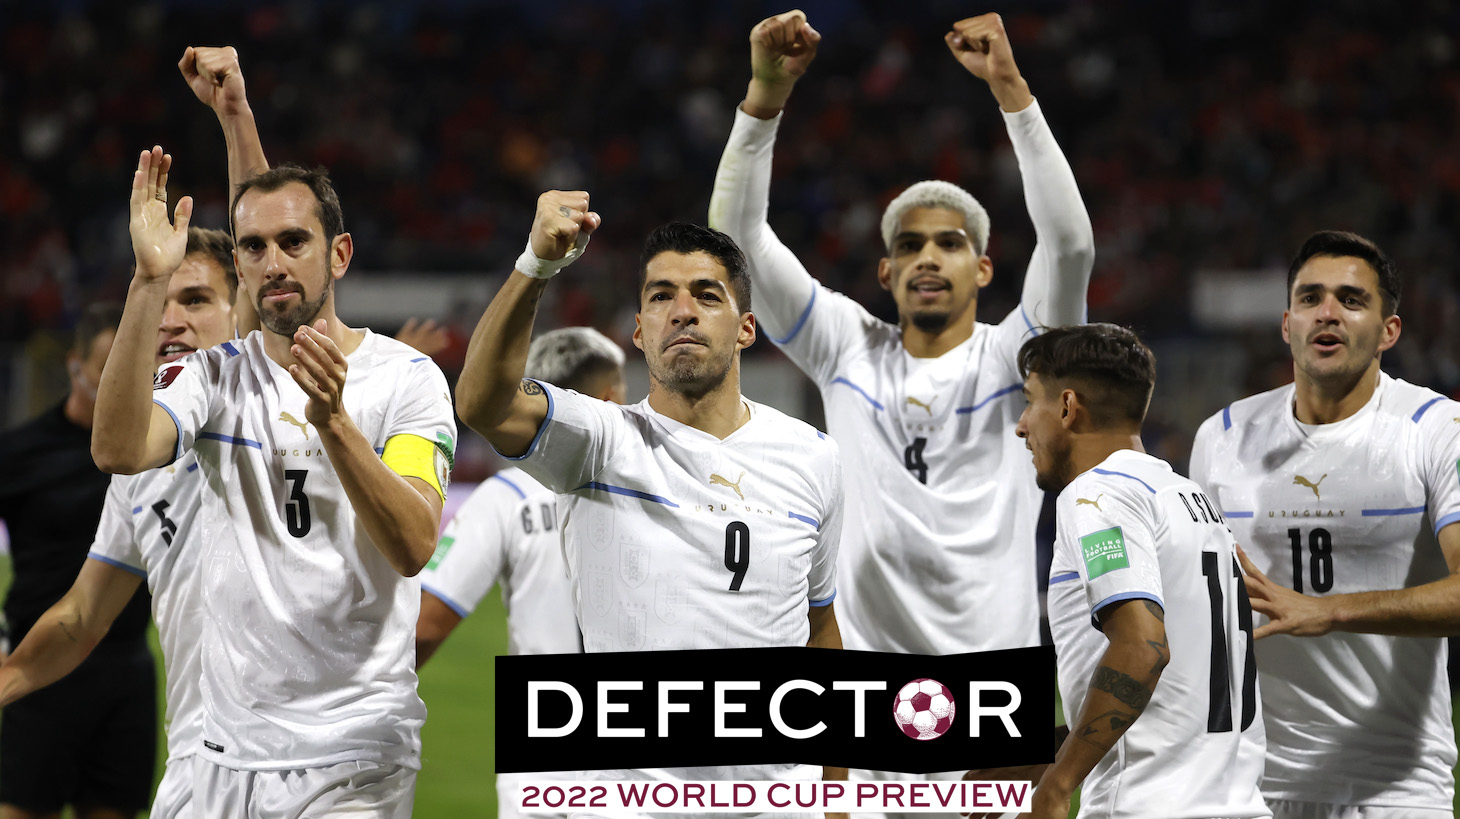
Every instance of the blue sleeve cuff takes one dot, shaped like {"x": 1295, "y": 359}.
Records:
{"x": 541, "y": 428}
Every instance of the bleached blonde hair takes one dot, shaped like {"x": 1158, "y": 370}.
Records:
{"x": 935, "y": 193}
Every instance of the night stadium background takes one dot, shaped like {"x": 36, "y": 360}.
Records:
{"x": 1208, "y": 139}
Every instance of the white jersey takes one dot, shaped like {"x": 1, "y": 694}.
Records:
{"x": 676, "y": 539}
{"x": 1346, "y": 507}
{"x": 1129, "y": 529}
{"x": 938, "y": 556}
{"x": 308, "y": 652}
{"x": 147, "y": 528}
{"x": 507, "y": 531}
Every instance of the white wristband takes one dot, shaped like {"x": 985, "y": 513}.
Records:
{"x": 528, "y": 264}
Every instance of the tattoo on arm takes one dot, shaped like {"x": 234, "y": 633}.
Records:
{"x": 66, "y": 630}
{"x": 530, "y": 387}
{"x": 1110, "y": 722}
{"x": 1122, "y": 686}
{"x": 1156, "y": 610}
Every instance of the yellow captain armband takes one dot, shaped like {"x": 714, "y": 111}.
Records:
{"x": 411, "y": 456}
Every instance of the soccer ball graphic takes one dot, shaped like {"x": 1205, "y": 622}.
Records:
{"x": 924, "y": 709}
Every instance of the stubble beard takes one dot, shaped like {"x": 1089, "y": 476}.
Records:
{"x": 302, "y": 314}
{"x": 690, "y": 377}
{"x": 1054, "y": 479}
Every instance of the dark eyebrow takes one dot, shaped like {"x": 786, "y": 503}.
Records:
{"x": 942, "y": 234}
{"x": 289, "y": 233}
{"x": 698, "y": 284}
{"x": 1340, "y": 291}
{"x": 197, "y": 290}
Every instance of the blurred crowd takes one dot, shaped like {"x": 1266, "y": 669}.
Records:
{"x": 1205, "y": 135}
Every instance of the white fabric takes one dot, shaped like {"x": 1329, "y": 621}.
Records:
{"x": 653, "y": 513}
{"x": 174, "y": 797}
{"x": 1386, "y": 483}
{"x": 506, "y": 531}
{"x": 946, "y": 566}
{"x": 1282, "y": 809}
{"x": 1145, "y": 532}
{"x": 308, "y": 649}
{"x": 344, "y": 789}
{"x": 148, "y": 528}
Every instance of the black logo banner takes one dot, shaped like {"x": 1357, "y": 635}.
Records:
{"x": 854, "y": 709}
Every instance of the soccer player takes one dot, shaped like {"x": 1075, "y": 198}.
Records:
{"x": 324, "y": 452}
{"x": 1150, "y": 617}
{"x": 507, "y": 530}
{"x": 146, "y": 532}
{"x": 648, "y": 493}
{"x": 51, "y": 497}
{"x": 1343, "y": 486}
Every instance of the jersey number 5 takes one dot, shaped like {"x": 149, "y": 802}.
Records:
{"x": 1219, "y": 702}
{"x": 296, "y": 508}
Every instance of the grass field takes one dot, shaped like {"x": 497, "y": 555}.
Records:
{"x": 457, "y": 779}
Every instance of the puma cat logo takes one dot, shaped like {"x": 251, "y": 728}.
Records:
{"x": 303, "y": 425}
{"x": 1095, "y": 503}
{"x": 918, "y": 403}
{"x": 719, "y": 481}
{"x": 1299, "y": 480}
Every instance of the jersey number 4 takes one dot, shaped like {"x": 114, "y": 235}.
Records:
{"x": 912, "y": 458}
{"x": 1219, "y": 702}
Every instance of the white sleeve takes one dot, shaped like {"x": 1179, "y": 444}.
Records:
{"x": 1114, "y": 543}
{"x": 185, "y": 389}
{"x": 576, "y": 440}
{"x": 1200, "y": 466}
{"x": 821, "y": 587}
{"x": 426, "y": 411}
{"x": 808, "y": 321}
{"x": 1064, "y": 251}
{"x": 473, "y": 550}
{"x": 1440, "y": 427}
{"x": 116, "y": 543}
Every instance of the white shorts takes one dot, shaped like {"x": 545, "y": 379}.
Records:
{"x": 1286, "y": 809}
{"x": 860, "y": 775}
{"x": 354, "y": 789}
{"x": 174, "y": 799}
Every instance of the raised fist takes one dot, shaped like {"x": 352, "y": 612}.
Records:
{"x": 782, "y": 48}
{"x": 561, "y": 217}
{"x": 215, "y": 78}
{"x": 982, "y": 46}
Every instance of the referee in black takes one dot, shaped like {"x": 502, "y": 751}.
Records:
{"x": 90, "y": 740}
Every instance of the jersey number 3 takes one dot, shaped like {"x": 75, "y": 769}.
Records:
{"x": 296, "y": 508}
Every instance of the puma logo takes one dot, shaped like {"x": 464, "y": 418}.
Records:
{"x": 719, "y": 481}
{"x": 1095, "y": 503}
{"x": 303, "y": 425}
{"x": 918, "y": 403}
{"x": 1299, "y": 480}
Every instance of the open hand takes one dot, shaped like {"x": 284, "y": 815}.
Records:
{"x": 320, "y": 372}
{"x": 158, "y": 244}
{"x": 1288, "y": 612}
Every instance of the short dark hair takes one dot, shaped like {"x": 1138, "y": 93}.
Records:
{"x": 1108, "y": 361}
{"x": 687, "y": 238}
{"x": 98, "y": 317}
{"x": 217, "y": 246}
{"x": 1343, "y": 243}
{"x": 327, "y": 208}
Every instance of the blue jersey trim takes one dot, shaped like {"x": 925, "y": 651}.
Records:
{"x": 632, "y": 493}
{"x": 515, "y": 487}
{"x": 380, "y": 450}
{"x": 997, "y": 394}
{"x": 874, "y": 401}
{"x": 1060, "y": 578}
{"x": 1446, "y": 521}
{"x": 229, "y": 439}
{"x": 800, "y": 322}
{"x": 1419, "y": 413}
{"x": 1237, "y": 514}
{"x": 192, "y": 467}
{"x": 419, "y": 360}
{"x": 1100, "y": 471}
{"x": 177, "y": 451}
{"x": 119, "y": 564}
{"x": 540, "y": 430}
{"x": 460, "y": 610}
{"x": 816, "y": 604}
{"x": 136, "y": 509}
{"x": 1116, "y": 598}
{"x": 229, "y": 348}
{"x": 1376, "y": 513}
{"x": 1227, "y": 417}
{"x": 1027, "y": 322}
{"x": 805, "y": 519}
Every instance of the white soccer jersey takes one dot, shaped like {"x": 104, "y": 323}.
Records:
{"x": 1346, "y": 507}
{"x": 147, "y": 528}
{"x": 1132, "y": 528}
{"x": 308, "y": 652}
{"x": 938, "y": 555}
{"x": 507, "y": 530}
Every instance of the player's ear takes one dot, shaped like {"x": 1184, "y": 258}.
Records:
{"x": 1286, "y": 314}
{"x": 1069, "y": 402}
{"x": 985, "y": 272}
{"x": 638, "y": 332}
{"x": 1392, "y": 326}
{"x": 747, "y": 331}
{"x": 342, "y": 249}
{"x": 884, "y": 273}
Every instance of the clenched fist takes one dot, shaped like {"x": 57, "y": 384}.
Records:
{"x": 215, "y": 78}
{"x": 982, "y": 45}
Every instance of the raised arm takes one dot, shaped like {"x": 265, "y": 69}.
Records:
{"x": 491, "y": 396}
{"x": 781, "y": 49}
{"x": 131, "y": 433}
{"x": 68, "y": 631}
{"x": 1059, "y": 270}
{"x": 216, "y": 79}
{"x": 1119, "y": 691}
